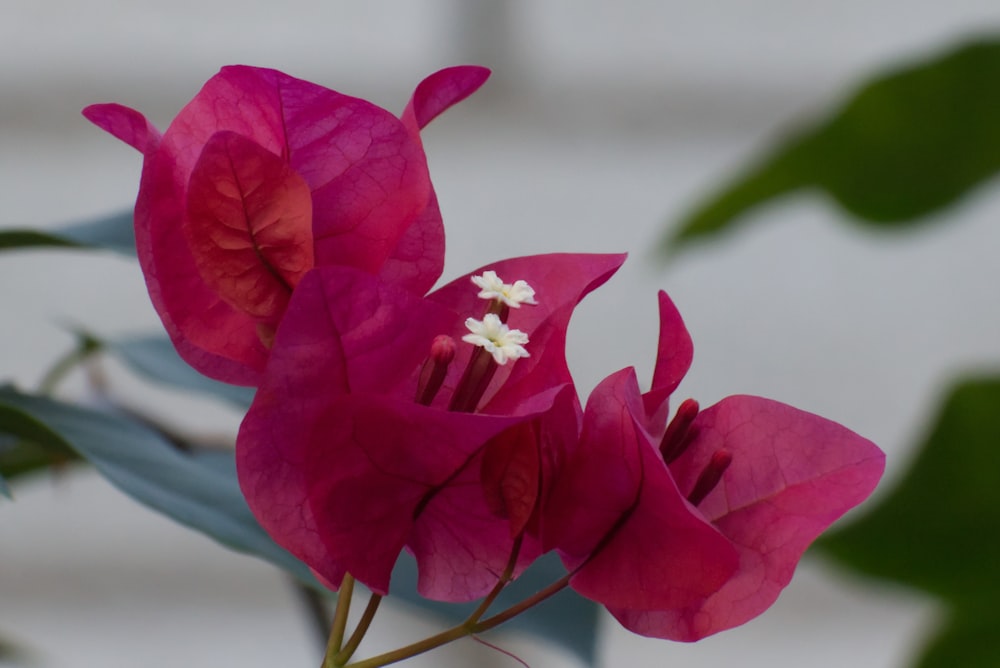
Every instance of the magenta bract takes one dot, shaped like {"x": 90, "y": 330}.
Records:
{"x": 288, "y": 235}
{"x": 687, "y": 531}
{"x": 263, "y": 176}
{"x": 344, "y": 468}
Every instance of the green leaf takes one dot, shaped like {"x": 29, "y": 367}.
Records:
{"x": 113, "y": 232}
{"x": 939, "y": 529}
{"x": 198, "y": 490}
{"x": 567, "y": 619}
{"x": 155, "y": 358}
{"x": 20, "y": 456}
{"x": 12, "y": 654}
{"x": 969, "y": 640}
{"x": 904, "y": 146}
{"x": 5, "y": 488}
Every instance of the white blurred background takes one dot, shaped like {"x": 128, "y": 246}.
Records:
{"x": 604, "y": 122}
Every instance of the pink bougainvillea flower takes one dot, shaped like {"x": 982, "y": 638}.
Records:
{"x": 687, "y": 529}
{"x": 388, "y": 420}
{"x": 262, "y": 177}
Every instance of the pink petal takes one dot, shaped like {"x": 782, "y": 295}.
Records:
{"x": 519, "y": 465}
{"x": 441, "y": 90}
{"x": 673, "y": 359}
{"x": 340, "y": 333}
{"x": 235, "y": 364}
{"x": 372, "y": 464}
{"x": 792, "y": 475}
{"x": 367, "y": 176}
{"x": 269, "y": 465}
{"x": 132, "y": 127}
{"x": 346, "y": 331}
{"x": 213, "y": 336}
{"x": 343, "y": 493}
{"x": 510, "y": 475}
{"x": 460, "y": 544}
{"x": 127, "y": 124}
{"x": 616, "y": 516}
{"x": 249, "y": 224}
{"x": 363, "y": 211}
{"x": 418, "y": 258}
{"x": 463, "y": 537}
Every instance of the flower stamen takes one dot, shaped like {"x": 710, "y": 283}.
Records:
{"x": 679, "y": 433}
{"x": 498, "y": 344}
{"x": 435, "y": 369}
{"x": 474, "y": 382}
{"x": 710, "y": 476}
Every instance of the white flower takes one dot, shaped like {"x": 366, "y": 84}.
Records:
{"x": 513, "y": 295}
{"x": 497, "y": 338}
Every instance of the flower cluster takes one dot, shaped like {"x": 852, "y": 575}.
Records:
{"x": 289, "y": 236}
{"x": 262, "y": 177}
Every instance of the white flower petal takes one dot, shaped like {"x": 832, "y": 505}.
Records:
{"x": 496, "y": 338}
{"x": 513, "y": 295}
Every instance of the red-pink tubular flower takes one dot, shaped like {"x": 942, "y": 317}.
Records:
{"x": 263, "y": 176}
{"x": 687, "y": 530}
{"x": 346, "y": 457}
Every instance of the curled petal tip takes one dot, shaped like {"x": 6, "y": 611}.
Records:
{"x": 126, "y": 124}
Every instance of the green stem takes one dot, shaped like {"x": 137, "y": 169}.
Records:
{"x": 530, "y": 602}
{"x": 344, "y": 655}
{"x": 339, "y": 621}
{"x": 466, "y": 628}
{"x": 505, "y": 578}
{"x": 85, "y": 347}
{"x": 416, "y": 648}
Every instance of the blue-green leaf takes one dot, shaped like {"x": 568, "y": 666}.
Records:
{"x": 198, "y": 490}
{"x": 114, "y": 232}
{"x": 904, "y": 146}
{"x": 155, "y": 358}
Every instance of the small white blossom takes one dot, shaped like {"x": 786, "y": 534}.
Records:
{"x": 497, "y": 338}
{"x": 513, "y": 295}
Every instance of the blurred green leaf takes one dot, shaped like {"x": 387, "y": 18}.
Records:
{"x": 905, "y": 145}
{"x": 12, "y": 654}
{"x": 13, "y": 239}
{"x": 939, "y": 529}
{"x": 113, "y": 232}
{"x": 198, "y": 490}
{"x": 21, "y": 456}
{"x": 155, "y": 358}
{"x": 970, "y": 639}
{"x": 4, "y": 488}
{"x": 26, "y": 457}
